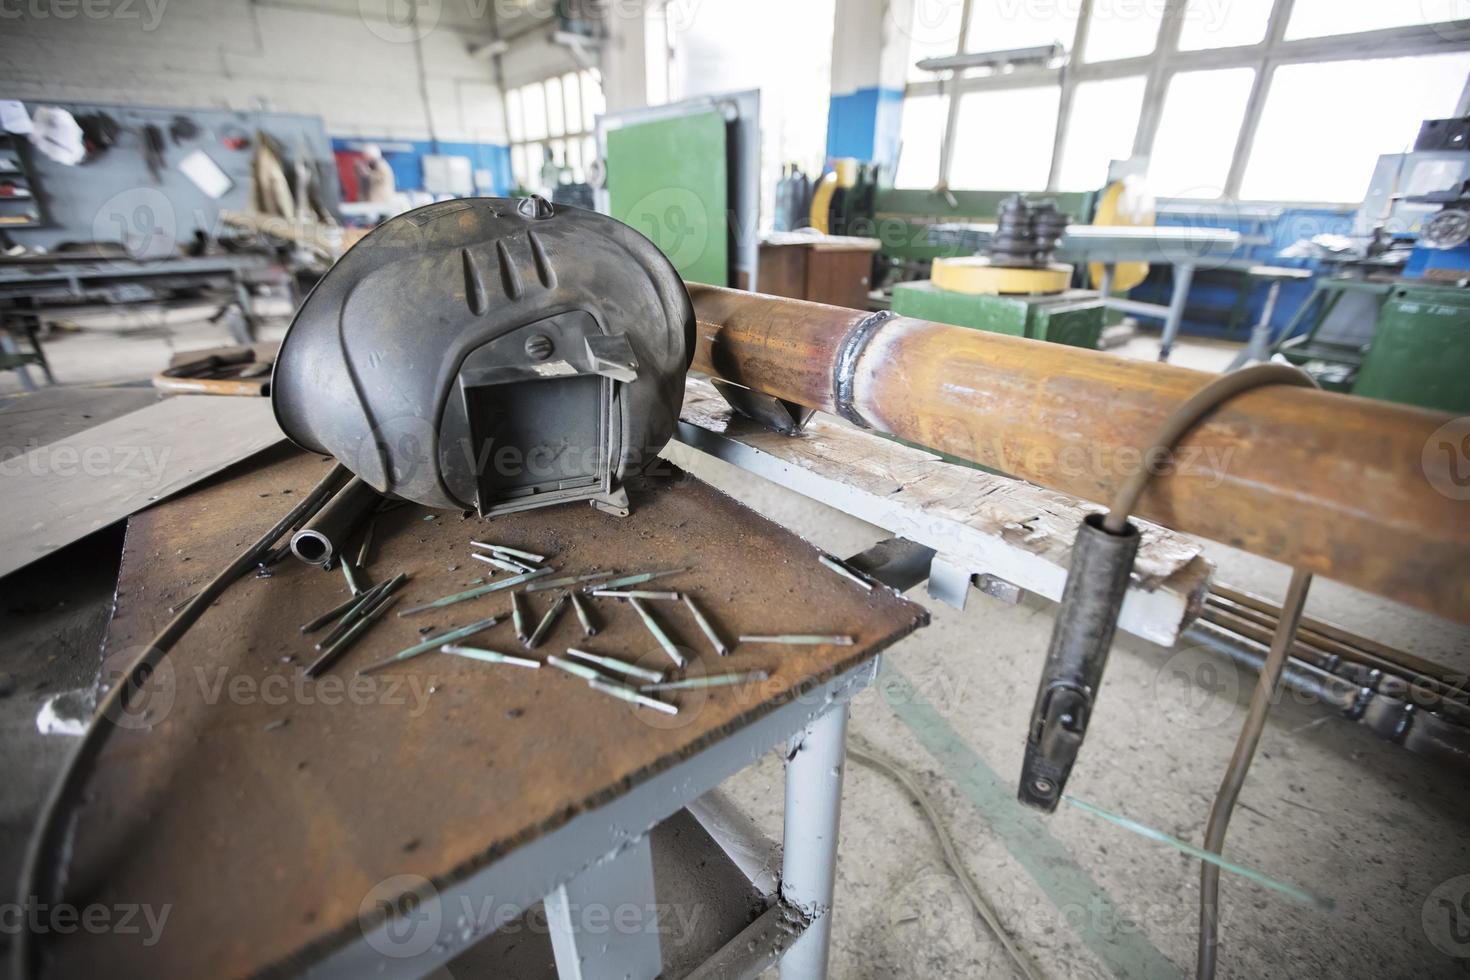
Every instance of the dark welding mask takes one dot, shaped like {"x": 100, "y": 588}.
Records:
{"x": 491, "y": 355}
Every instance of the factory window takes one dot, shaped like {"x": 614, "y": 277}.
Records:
{"x": 920, "y": 141}
{"x": 1122, "y": 30}
{"x": 1100, "y": 128}
{"x": 1311, "y": 149}
{"x": 1210, "y": 24}
{"x": 934, "y": 32}
{"x": 557, "y": 116}
{"x": 1198, "y": 130}
{"x": 1000, "y": 25}
{"x": 1321, "y": 18}
{"x": 1004, "y": 139}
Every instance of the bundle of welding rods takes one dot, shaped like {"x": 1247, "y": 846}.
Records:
{"x": 528, "y": 571}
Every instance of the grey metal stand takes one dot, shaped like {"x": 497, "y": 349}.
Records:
{"x": 604, "y": 922}
{"x": 813, "y": 810}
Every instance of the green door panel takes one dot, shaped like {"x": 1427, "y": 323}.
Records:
{"x": 668, "y": 179}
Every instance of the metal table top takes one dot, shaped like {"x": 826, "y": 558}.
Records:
{"x": 1105, "y": 243}
{"x": 264, "y": 810}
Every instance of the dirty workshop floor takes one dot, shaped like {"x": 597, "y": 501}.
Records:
{"x": 1328, "y": 807}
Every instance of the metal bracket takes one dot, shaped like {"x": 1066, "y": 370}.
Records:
{"x": 777, "y": 414}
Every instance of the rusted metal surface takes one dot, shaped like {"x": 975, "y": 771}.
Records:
{"x": 263, "y": 808}
{"x": 1329, "y": 483}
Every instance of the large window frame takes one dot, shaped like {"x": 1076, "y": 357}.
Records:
{"x": 589, "y": 102}
{"x": 1167, "y": 60}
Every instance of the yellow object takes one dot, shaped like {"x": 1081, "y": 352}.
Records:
{"x": 977, "y": 277}
{"x": 1125, "y": 203}
{"x": 846, "y": 169}
{"x": 822, "y": 201}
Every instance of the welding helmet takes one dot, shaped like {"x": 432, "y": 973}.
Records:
{"x": 491, "y": 355}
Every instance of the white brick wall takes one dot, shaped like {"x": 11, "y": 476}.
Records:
{"x": 332, "y": 61}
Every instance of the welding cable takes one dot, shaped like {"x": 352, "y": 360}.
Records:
{"x": 1240, "y": 763}
{"x": 1185, "y": 417}
{"x": 864, "y": 753}
{"x": 47, "y": 843}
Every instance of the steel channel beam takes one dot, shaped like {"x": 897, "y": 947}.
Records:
{"x": 1330, "y": 483}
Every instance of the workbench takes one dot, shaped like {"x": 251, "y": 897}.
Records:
{"x": 29, "y": 283}
{"x": 383, "y": 824}
{"x": 1182, "y": 247}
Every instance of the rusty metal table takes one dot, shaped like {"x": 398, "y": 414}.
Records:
{"x": 381, "y": 824}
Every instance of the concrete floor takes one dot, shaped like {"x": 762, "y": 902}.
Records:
{"x": 1328, "y": 807}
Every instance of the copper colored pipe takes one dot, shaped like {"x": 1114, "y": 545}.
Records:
{"x": 1328, "y": 483}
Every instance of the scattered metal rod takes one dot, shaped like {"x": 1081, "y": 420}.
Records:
{"x": 364, "y": 550}
{"x": 350, "y": 574}
{"x": 844, "y": 571}
{"x": 802, "y": 639}
{"x": 1248, "y": 619}
{"x": 330, "y": 615}
{"x": 490, "y": 656}
{"x": 565, "y": 580}
{"x": 1428, "y": 692}
{"x": 432, "y": 643}
{"x": 640, "y": 578}
{"x": 506, "y": 550}
{"x": 547, "y": 621}
{"x": 475, "y": 593}
{"x": 574, "y": 668}
{"x": 711, "y": 680}
{"x": 504, "y": 566}
{"x": 637, "y": 594}
{"x": 518, "y": 617}
{"x": 182, "y": 603}
{"x": 621, "y": 666}
{"x": 584, "y": 615}
{"x": 706, "y": 627}
{"x": 365, "y": 601}
{"x": 1396, "y": 719}
{"x": 658, "y": 632}
{"x": 625, "y": 693}
{"x": 331, "y": 654}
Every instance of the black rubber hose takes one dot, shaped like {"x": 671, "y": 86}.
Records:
{"x": 47, "y": 839}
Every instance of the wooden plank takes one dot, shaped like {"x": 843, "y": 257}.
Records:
{"x": 265, "y": 808}
{"x": 60, "y": 492}
{"x": 981, "y": 522}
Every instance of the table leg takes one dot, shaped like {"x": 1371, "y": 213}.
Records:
{"x": 1105, "y": 288}
{"x": 33, "y": 333}
{"x": 1183, "y": 277}
{"x": 809, "y": 864}
{"x": 7, "y": 345}
{"x": 604, "y": 922}
{"x": 247, "y": 312}
{"x": 1259, "y": 347}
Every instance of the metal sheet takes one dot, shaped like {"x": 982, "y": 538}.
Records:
{"x": 265, "y": 809}
{"x": 63, "y": 491}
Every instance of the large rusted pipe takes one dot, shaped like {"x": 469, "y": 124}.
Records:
{"x": 1329, "y": 483}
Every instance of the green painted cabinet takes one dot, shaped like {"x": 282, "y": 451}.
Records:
{"x": 1074, "y": 318}
{"x": 1420, "y": 354}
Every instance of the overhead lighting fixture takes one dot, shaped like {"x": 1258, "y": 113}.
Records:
{"x": 1041, "y": 56}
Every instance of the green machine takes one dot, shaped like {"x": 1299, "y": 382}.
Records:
{"x": 1073, "y": 317}
{"x": 1402, "y": 341}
